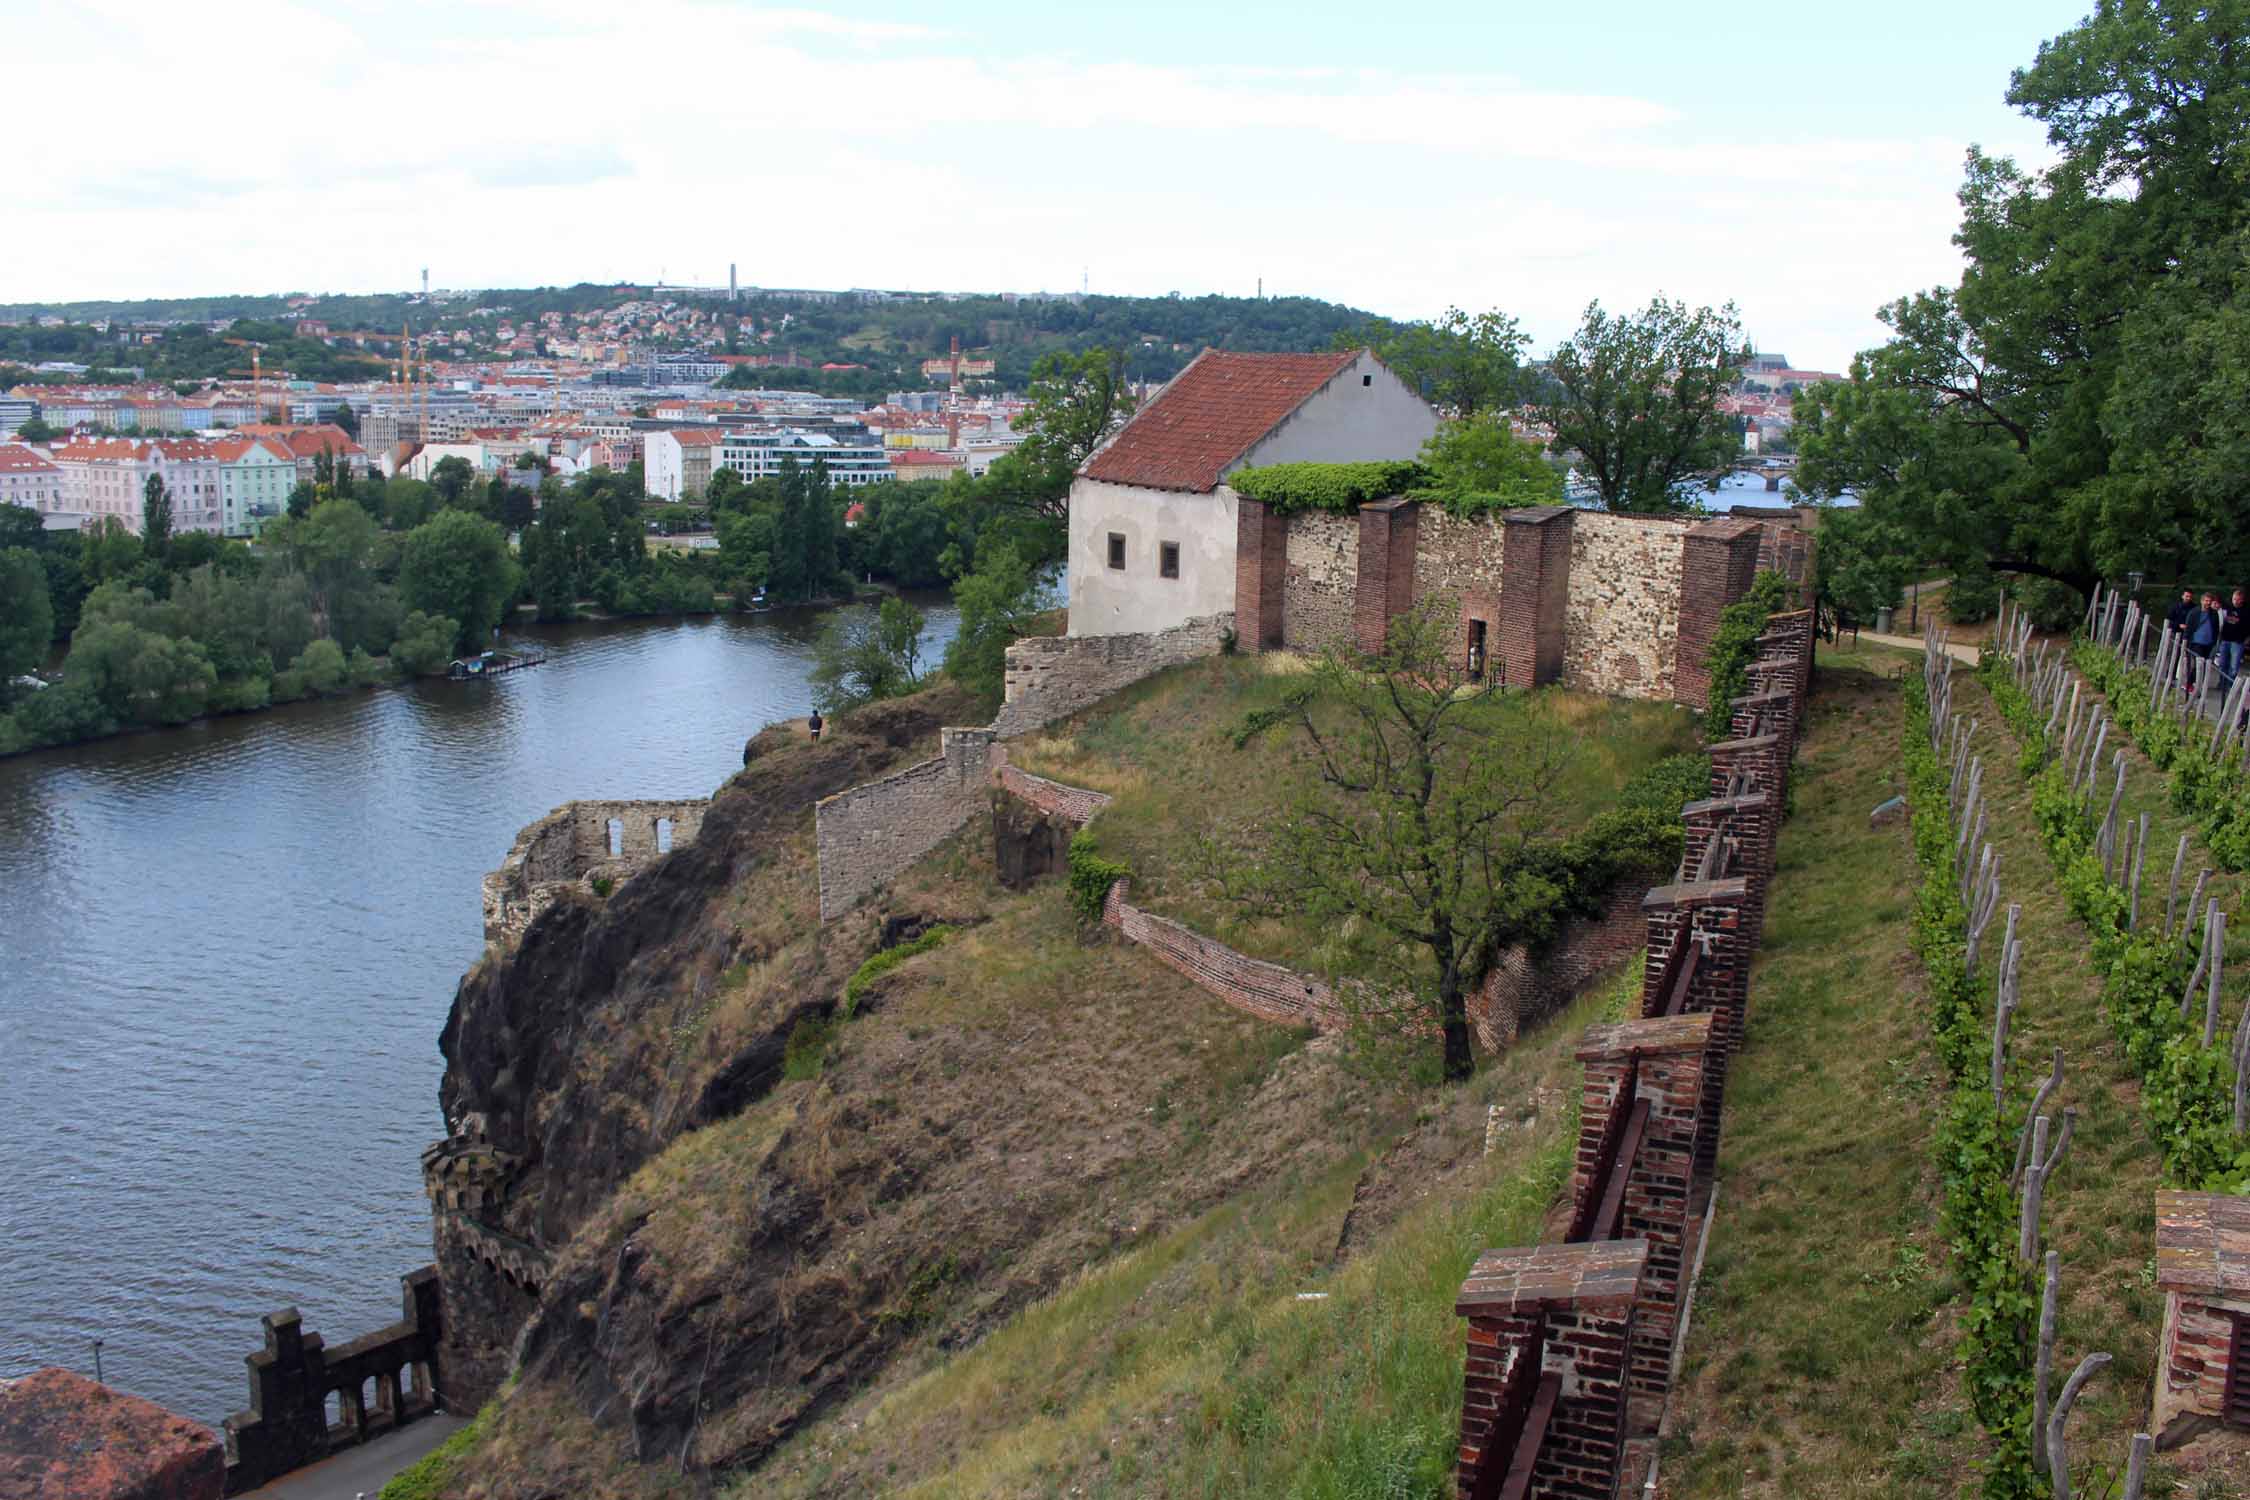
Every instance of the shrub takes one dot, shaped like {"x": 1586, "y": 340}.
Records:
{"x": 882, "y": 963}
{"x": 1091, "y": 876}
{"x": 2052, "y": 605}
{"x": 1972, "y": 597}
{"x": 806, "y": 1051}
{"x": 602, "y": 885}
{"x": 425, "y": 645}
{"x": 1337, "y": 488}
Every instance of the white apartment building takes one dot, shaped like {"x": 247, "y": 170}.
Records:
{"x": 31, "y": 479}
{"x": 851, "y": 460}
{"x": 105, "y": 477}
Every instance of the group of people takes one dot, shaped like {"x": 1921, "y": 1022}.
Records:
{"x": 2214, "y": 634}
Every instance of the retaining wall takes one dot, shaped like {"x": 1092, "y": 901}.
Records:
{"x": 869, "y": 833}
{"x": 1266, "y": 990}
{"x": 1525, "y": 988}
{"x": 1052, "y": 677}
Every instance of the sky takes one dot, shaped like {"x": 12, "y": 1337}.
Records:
{"x": 1799, "y": 160}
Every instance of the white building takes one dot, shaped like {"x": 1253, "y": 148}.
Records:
{"x": 31, "y": 479}
{"x": 1152, "y": 522}
{"x": 677, "y": 462}
{"x": 759, "y": 454}
{"x": 105, "y": 477}
{"x": 255, "y": 478}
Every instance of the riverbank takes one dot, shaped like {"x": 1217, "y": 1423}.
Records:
{"x": 230, "y": 949}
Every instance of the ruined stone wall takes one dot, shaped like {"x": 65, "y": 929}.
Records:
{"x": 1322, "y": 580}
{"x": 1622, "y": 611}
{"x": 1526, "y": 988}
{"x": 1076, "y": 803}
{"x": 1052, "y": 677}
{"x": 868, "y": 834}
{"x": 1267, "y": 991}
{"x": 572, "y": 845}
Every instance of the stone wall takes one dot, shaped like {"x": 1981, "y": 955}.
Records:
{"x": 1052, "y": 677}
{"x": 1622, "y": 615}
{"x": 1076, "y": 803}
{"x": 380, "y": 1381}
{"x": 868, "y": 834}
{"x": 573, "y": 844}
{"x": 1267, "y": 991}
{"x": 1322, "y": 581}
{"x": 1526, "y": 988}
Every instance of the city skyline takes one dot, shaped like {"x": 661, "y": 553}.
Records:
{"x": 1803, "y": 168}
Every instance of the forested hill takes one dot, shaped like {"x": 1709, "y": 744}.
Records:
{"x": 888, "y": 336}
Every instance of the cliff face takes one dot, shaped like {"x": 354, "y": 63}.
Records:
{"x": 565, "y": 1068}
{"x": 687, "y": 1253}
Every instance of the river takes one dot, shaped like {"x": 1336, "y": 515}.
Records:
{"x": 226, "y": 951}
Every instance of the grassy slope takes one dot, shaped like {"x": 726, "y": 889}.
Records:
{"x": 1818, "y": 1361}
{"x": 1164, "y": 749}
{"x": 1821, "y": 1359}
{"x": 1192, "y": 1366}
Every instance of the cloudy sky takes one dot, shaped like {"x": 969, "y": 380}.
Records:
{"x": 1799, "y": 159}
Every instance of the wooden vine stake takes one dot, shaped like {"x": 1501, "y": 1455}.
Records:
{"x": 2058, "y": 1455}
{"x": 2215, "y": 949}
{"x": 2140, "y": 857}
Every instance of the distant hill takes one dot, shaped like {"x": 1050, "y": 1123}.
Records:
{"x": 889, "y": 335}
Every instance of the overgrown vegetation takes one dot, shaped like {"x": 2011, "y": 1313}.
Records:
{"x": 1091, "y": 876}
{"x": 430, "y": 1477}
{"x": 882, "y": 962}
{"x": 1340, "y": 489}
{"x": 2213, "y": 789}
{"x": 1734, "y": 645}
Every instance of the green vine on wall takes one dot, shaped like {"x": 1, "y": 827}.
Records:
{"x": 1091, "y": 876}
{"x": 1735, "y": 643}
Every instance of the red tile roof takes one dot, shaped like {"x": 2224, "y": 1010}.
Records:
{"x": 18, "y": 458}
{"x": 1212, "y": 413}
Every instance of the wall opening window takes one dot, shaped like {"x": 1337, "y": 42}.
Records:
{"x": 1168, "y": 559}
{"x": 1116, "y": 550}
{"x": 1476, "y": 651}
{"x": 1366, "y": 380}
{"x": 2238, "y": 1373}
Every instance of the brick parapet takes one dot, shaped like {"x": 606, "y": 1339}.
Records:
{"x": 1077, "y": 803}
{"x": 1719, "y": 562}
{"x": 1261, "y": 566}
{"x": 1534, "y": 591}
{"x": 1665, "y": 1058}
{"x": 1578, "y": 1302}
{"x": 1384, "y": 589}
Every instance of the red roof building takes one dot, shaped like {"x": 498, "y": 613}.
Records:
{"x": 1211, "y": 414}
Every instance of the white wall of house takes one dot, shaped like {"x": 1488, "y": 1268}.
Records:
{"x": 1365, "y": 414}
{"x": 663, "y": 466}
{"x": 1112, "y": 601}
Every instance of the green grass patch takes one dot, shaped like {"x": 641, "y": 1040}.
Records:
{"x": 430, "y": 1477}
{"x": 881, "y": 963}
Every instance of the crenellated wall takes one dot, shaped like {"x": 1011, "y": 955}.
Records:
{"x": 572, "y": 845}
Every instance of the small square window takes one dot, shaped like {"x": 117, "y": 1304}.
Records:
{"x": 1116, "y": 550}
{"x": 1168, "y": 559}
{"x": 1367, "y": 380}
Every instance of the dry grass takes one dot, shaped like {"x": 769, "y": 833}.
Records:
{"x": 1188, "y": 801}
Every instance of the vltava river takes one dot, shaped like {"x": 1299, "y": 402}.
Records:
{"x": 225, "y": 954}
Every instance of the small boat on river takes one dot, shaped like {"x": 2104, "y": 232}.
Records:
{"x": 489, "y": 664}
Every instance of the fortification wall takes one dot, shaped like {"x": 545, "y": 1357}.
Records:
{"x": 1621, "y": 622}
{"x": 1052, "y": 677}
{"x": 1076, "y": 803}
{"x": 1322, "y": 573}
{"x": 1461, "y": 559}
{"x": 869, "y": 833}
{"x": 572, "y": 845}
{"x": 1268, "y": 991}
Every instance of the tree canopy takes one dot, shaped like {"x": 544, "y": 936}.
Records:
{"x": 2079, "y": 404}
{"x": 1636, "y": 397}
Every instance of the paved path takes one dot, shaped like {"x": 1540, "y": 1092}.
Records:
{"x": 1958, "y": 650}
{"x": 361, "y": 1470}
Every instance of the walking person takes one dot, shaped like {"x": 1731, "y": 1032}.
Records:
{"x": 2234, "y": 630}
{"x": 2202, "y": 632}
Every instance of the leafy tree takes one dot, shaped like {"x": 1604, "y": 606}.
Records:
{"x": 139, "y": 676}
{"x": 1637, "y": 399}
{"x": 1481, "y": 455}
{"x": 1427, "y": 816}
{"x": 998, "y": 604}
{"x": 2072, "y": 408}
{"x": 34, "y": 430}
{"x": 318, "y": 670}
{"x": 450, "y": 477}
{"x": 516, "y": 507}
{"x": 1073, "y": 404}
{"x": 424, "y": 646}
{"x": 457, "y": 565}
{"x": 156, "y": 517}
{"x": 302, "y": 498}
{"x": 1461, "y": 363}
{"x": 27, "y": 614}
{"x": 407, "y": 503}
{"x": 348, "y": 420}
{"x": 864, "y": 654}
{"x": 108, "y": 551}
{"x": 1864, "y": 565}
